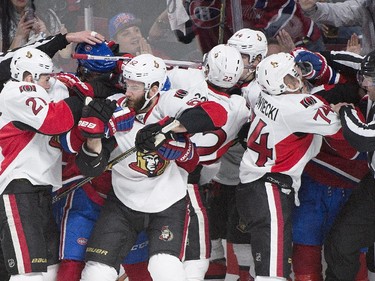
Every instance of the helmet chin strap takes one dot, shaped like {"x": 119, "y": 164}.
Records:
{"x": 147, "y": 102}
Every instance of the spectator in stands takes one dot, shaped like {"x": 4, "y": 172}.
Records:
{"x": 124, "y": 29}
{"x": 20, "y": 25}
{"x": 205, "y": 21}
{"x": 348, "y": 13}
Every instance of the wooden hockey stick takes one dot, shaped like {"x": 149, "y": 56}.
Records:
{"x": 158, "y": 139}
{"x": 191, "y": 64}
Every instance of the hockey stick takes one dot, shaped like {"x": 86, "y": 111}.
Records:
{"x": 191, "y": 64}
{"x": 159, "y": 137}
{"x": 222, "y": 22}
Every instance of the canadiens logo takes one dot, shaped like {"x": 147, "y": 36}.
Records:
{"x": 308, "y": 101}
{"x": 180, "y": 94}
{"x": 205, "y": 14}
{"x": 166, "y": 234}
{"x": 149, "y": 164}
{"x": 82, "y": 241}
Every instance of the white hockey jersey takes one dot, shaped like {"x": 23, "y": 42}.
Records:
{"x": 146, "y": 182}
{"x": 24, "y": 153}
{"x": 211, "y": 145}
{"x": 285, "y": 134}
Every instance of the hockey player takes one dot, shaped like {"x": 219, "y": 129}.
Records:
{"x": 31, "y": 165}
{"x": 150, "y": 185}
{"x": 283, "y": 136}
{"x": 353, "y": 228}
{"x": 223, "y": 67}
{"x": 77, "y": 213}
{"x": 252, "y": 45}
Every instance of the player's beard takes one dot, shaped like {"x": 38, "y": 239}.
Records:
{"x": 137, "y": 103}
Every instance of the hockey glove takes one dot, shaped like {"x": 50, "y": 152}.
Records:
{"x": 317, "y": 61}
{"x": 178, "y": 148}
{"x": 108, "y": 84}
{"x": 83, "y": 90}
{"x": 122, "y": 120}
{"x": 146, "y": 140}
{"x": 95, "y": 114}
{"x": 68, "y": 79}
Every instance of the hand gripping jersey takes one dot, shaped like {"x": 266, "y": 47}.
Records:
{"x": 285, "y": 133}
{"x": 27, "y": 118}
{"x": 211, "y": 145}
{"x": 144, "y": 181}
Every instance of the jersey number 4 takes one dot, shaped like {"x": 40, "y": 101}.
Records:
{"x": 260, "y": 147}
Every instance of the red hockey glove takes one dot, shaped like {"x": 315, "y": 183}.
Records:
{"x": 68, "y": 79}
{"x": 83, "y": 90}
{"x": 122, "y": 120}
{"x": 180, "y": 148}
{"x": 145, "y": 139}
{"x": 95, "y": 114}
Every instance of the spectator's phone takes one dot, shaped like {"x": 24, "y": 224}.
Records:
{"x": 30, "y": 15}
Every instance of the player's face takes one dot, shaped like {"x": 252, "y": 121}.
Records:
{"x": 135, "y": 92}
{"x": 128, "y": 40}
{"x": 250, "y": 66}
{"x": 44, "y": 81}
{"x": 295, "y": 84}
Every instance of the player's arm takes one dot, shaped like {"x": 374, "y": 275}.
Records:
{"x": 359, "y": 134}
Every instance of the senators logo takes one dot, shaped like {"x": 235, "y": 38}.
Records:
{"x": 149, "y": 164}
{"x": 274, "y": 64}
{"x": 308, "y": 101}
{"x": 180, "y": 94}
{"x": 27, "y": 88}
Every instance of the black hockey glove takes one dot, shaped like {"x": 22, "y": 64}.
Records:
{"x": 95, "y": 115}
{"x": 146, "y": 140}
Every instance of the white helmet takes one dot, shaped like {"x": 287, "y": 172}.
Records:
{"x": 147, "y": 69}
{"x": 31, "y": 60}
{"x": 250, "y": 42}
{"x": 271, "y": 71}
{"x": 224, "y": 66}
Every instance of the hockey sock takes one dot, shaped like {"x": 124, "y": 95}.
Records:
{"x": 137, "y": 271}
{"x": 362, "y": 274}
{"x": 70, "y": 270}
{"x": 233, "y": 271}
{"x": 307, "y": 262}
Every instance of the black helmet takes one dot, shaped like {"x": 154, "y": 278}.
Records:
{"x": 368, "y": 65}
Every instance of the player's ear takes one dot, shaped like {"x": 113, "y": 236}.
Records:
{"x": 153, "y": 91}
{"x": 28, "y": 78}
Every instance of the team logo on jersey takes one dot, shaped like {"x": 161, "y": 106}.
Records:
{"x": 205, "y": 14}
{"x": 180, "y": 94}
{"x": 308, "y": 101}
{"x": 166, "y": 234}
{"x": 82, "y": 241}
{"x": 149, "y": 164}
{"x": 27, "y": 88}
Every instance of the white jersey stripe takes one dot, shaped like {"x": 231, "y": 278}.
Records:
{"x": 201, "y": 221}
{"x": 13, "y": 233}
{"x": 274, "y": 229}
